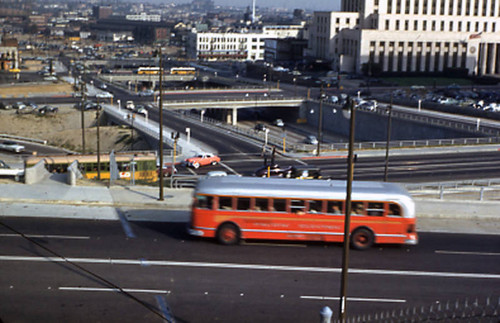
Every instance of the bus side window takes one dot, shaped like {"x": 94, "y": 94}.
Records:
{"x": 297, "y": 206}
{"x": 279, "y": 205}
{"x": 334, "y": 207}
{"x": 394, "y": 210}
{"x": 357, "y": 208}
{"x": 243, "y": 203}
{"x": 375, "y": 209}
{"x": 261, "y": 204}
{"x": 204, "y": 202}
{"x": 225, "y": 203}
{"x": 315, "y": 206}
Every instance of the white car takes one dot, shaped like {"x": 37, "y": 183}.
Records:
{"x": 12, "y": 146}
{"x": 104, "y": 95}
{"x": 130, "y": 105}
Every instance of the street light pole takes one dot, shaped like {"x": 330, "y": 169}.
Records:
{"x": 347, "y": 221}
{"x": 160, "y": 108}
{"x": 386, "y": 169}
{"x": 320, "y": 121}
{"x": 97, "y": 115}
{"x": 82, "y": 107}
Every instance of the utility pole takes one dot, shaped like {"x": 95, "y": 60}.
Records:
{"x": 347, "y": 220}
{"x": 160, "y": 108}
{"x": 97, "y": 115}
{"x": 320, "y": 121}
{"x": 82, "y": 107}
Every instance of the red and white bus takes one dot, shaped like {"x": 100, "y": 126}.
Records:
{"x": 231, "y": 208}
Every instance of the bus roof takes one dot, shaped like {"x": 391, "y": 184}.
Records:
{"x": 297, "y": 188}
{"x": 68, "y": 159}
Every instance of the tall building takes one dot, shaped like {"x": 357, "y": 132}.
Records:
{"x": 243, "y": 45}
{"x": 410, "y": 36}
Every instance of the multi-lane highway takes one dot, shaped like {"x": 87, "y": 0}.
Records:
{"x": 201, "y": 281}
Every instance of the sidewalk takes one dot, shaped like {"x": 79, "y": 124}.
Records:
{"x": 52, "y": 198}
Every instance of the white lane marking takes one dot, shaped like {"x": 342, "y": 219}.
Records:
{"x": 473, "y": 253}
{"x": 116, "y": 290}
{"x": 253, "y": 267}
{"x": 44, "y": 236}
{"x": 229, "y": 168}
{"x": 246, "y": 243}
{"x": 356, "y": 299}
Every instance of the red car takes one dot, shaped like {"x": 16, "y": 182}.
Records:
{"x": 202, "y": 159}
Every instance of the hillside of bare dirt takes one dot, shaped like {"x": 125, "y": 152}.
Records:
{"x": 63, "y": 130}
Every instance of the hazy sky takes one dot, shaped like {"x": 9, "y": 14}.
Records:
{"x": 291, "y": 4}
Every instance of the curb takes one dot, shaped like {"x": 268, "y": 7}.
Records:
{"x": 162, "y": 206}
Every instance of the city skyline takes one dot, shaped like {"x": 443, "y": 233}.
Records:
{"x": 326, "y": 5}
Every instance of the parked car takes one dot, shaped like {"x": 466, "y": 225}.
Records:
{"x": 19, "y": 105}
{"x": 312, "y": 140}
{"x": 202, "y": 159}
{"x": 47, "y": 109}
{"x": 13, "y": 146}
{"x": 5, "y": 106}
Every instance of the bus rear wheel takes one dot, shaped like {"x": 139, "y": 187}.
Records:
{"x": 362, "y": 239}
{"x": 228, "y": 234}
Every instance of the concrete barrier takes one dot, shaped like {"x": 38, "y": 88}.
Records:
{"x": 73, "y": 173}
{"x": 36, "y": 173}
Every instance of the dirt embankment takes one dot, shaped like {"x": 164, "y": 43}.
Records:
{"x": 64, "y": 129}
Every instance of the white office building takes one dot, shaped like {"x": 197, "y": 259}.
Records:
{"x": 410, "y": 36}
{"x": 242, "y": 45}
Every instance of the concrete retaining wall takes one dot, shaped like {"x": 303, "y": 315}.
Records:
{"x": 373, "y": 127}
{"x": 458, "y": 209}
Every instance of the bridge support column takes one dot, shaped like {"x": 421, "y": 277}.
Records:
{"x": 228, "y": 116}
{"x": 235, "y": 116}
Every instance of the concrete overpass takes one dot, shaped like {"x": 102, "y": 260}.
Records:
{"x": 135, "y": 78}
{"x": 234, "y": 104}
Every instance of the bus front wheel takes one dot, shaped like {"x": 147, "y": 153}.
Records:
{"x": 228, "y": 234}
{"x": 362, "y": 239}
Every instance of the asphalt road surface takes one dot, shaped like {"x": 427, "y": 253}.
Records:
{"x": 165, "y": 272}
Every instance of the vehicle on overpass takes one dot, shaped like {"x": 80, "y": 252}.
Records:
{"x": 183, "y": 71}
{"x": 12, "y": 146}
{"x": 202, "y": 159}
{"x": 231, "y": 208}
{"x": 148, "y": 70}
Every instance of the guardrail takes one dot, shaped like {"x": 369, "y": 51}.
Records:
{"x": 140, "y": 123}
{"x": 38, "y": 141}
{"x": 278, "y": 142}
{"x": 482, "y": 189}
{"x": 184, "y": 181}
